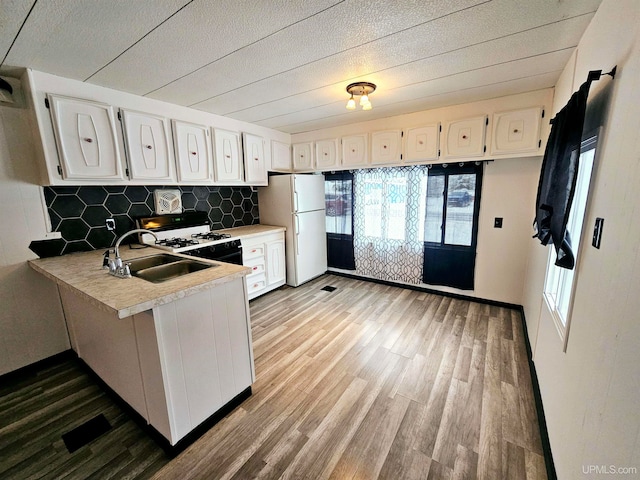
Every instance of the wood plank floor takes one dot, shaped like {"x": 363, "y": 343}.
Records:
{"x": 368, "y": 381}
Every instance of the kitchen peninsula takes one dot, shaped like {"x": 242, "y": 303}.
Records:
{"x": 177, "y": 352}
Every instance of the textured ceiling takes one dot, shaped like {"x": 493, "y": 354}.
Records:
{"x": 285, "y": 64}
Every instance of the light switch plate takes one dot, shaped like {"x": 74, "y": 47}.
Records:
{"x": 497, "y": 222}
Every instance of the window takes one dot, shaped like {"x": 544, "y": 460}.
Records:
{"x": 338, "y": 199}
{"x": 559, "y": 284}
{"x": 386, "y": 201}
{"x": 388, "y": 209}
{"x": 452, "y": 200}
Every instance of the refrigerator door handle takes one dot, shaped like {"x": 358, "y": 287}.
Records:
{"x": 295, "y": 201}
{"x": 297, "y": 233}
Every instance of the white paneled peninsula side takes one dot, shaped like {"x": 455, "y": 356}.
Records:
{"x": 178, "y": 352}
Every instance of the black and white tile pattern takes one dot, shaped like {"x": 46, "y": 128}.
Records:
{"x": 80, "y": 213}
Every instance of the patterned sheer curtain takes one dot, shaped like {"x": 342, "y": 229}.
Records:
{"x": 389, "y": 212}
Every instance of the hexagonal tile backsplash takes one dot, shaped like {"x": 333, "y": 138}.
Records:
{"x": 80, "y": 213}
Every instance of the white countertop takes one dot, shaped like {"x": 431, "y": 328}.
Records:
{"x": 83, "y": 273}
{"x": 252, "y": 230}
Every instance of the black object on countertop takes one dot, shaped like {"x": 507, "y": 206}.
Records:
{"x": 48, "y": 248}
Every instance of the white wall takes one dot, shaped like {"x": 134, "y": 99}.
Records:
{"x": 591, "y": 393}
{"x": 31, "y": 322}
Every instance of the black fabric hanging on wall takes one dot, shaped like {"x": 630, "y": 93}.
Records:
{"x": 558, "y": 177}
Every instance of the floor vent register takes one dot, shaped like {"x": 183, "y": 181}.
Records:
{"x": 86, "y": 433}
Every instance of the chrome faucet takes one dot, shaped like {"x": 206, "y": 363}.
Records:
{"x": 115, "y": 265}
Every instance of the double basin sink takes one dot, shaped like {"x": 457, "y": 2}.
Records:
{"x": 163, "y": 267}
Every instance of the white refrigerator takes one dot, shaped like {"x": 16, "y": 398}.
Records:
{"x": 296, "y": 202}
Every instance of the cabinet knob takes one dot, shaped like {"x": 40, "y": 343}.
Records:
{"x": 464, "y": 137}
{"x": 227, "y": 156}
{"x": 255, "y": 268}
{"x": 256, "y": 159}
{"x": 384, "y": 146}
{"x": 148, "y": 147}
{"x": 420, "y": 142}
{"x": 193, "y": 153}
{"x": 515, "y": 130}
{"x": 88, "y": 140}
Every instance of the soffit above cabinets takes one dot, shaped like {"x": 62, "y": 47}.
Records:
{"x": 285, "y": 64}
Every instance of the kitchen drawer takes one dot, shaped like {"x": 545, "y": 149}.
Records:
{"x": 255, "y": 283}
{"x": 252, "y": 251}
{"x": 257, "y": 265}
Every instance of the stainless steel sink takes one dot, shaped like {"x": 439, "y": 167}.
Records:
{"x": 167, "y": 267}
{"x": 152, "y": 261}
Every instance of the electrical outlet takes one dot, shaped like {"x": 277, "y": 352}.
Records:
{"x": 111, "y": 224}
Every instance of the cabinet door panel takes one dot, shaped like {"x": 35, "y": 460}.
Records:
{"x": 87, "y": 139}
{"x": 227, "y": 159}
{"x": 255, "y": 168}
{"x": 327, "y": 154}
{"x": 517, "y": 131}
{"x": 386, "y": 147}
{"x": 422, "y": 143}
{"x": 276, "y": 264}
{"x": 303, "y": 157}
{"x": 280, "y": 157}
{"x": 193, "y": 152}
{"x": 355, "y": 150}
{"x": 465, "y": 138}
{"x": 147, "y": 142}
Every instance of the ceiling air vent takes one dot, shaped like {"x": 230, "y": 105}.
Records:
{"x": 167, "y": 201}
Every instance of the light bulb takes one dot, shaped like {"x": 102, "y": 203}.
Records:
{"x": 364, "y": 99}
{"x": 367, "y": 106}
{"x": 351, "y": 104}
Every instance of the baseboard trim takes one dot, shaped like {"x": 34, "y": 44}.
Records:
{"x": 33, "y": 368}
{"x": 420, "y": 288}
{"x": 542, "y": 422}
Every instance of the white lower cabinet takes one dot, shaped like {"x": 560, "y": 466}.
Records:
{"x": 276, "y": 262}
{"x": 264, "y": 255}
{"x": 176, "y": 364}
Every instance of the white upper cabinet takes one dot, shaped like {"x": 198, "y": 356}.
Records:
{"x": 421, "y": 144}
{"x": 87, "y": 139}
{"x": 465, "y": 138}
{"x": 193, "y": 152}
{"x": 280, "y": 157}
{"x": 355, "y": 151}
{"x": 386, "y": 147}
{"x": 255, "y": 168}
{"x": 303, "y": 157}
{"x": 146, "y": 138}
{"x": 517, "y": 131}
{"x": 327, "y": 154}
{"x": 227, "y": 161}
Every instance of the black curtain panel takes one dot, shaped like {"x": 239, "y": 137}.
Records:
{"x": 339, "y": 220}
{"x": 558, "y": 176}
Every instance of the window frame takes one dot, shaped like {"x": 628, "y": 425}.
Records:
{"x": 555, "y": 277}
{"x": 447, "y": 171}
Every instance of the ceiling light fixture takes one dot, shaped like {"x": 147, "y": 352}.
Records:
{"x": 362, "y": 90}
{"x": 351, "y": 104}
